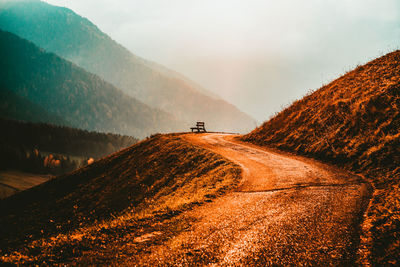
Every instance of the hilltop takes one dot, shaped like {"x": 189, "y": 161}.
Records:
{"x": 126, "y": 194}
{"x": 61, "y": 89}
{"x": 63, "y": 32}
{"x": 354, "y": 122}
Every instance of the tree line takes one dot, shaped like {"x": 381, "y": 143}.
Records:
{"x": 46, "y": 148}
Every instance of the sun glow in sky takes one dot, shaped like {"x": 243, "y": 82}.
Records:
{"x": 257, "y": 54}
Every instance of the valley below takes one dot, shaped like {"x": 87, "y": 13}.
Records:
{"x": 12, "y": 181}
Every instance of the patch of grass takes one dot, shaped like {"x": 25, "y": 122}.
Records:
{"x": 108, "y": 203}
{"x": 353, "y": 122}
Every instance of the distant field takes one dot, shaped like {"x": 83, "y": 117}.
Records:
{"x": 12, "y": 182}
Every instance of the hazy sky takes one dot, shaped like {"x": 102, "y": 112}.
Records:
{"x": 259, "y": 55}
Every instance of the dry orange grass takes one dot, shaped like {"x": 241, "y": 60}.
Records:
{"x": 354, "y": 122}
{"x": 94, "y": 213}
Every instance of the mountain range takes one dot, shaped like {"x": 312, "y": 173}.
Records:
{"x": 45, "y": 81}
{"x": 63, "y": 32}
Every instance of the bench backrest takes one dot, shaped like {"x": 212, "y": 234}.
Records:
{"x": 200, "y": 123}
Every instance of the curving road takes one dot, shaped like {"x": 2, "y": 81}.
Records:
{"x": 288, "y": 210}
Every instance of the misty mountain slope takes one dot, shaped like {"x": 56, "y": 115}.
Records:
{"x": 64, "y": 90}
{"x": 67, "y": 34}
{"x": 353, "y": 121}
{"x": 110, "y": 201}
{"x": 19, "y": 108}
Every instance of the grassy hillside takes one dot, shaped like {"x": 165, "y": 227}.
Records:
{"x": 67, "y": 34}
{"x": 84, "y": 216}
{"x": 81, "y": 99}
{"x": 354, "y": 122}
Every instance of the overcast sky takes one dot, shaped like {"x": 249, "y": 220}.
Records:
{"x": 257, "y": 54}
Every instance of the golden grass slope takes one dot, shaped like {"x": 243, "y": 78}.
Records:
{"x": 85, "y": 215}
{"x": 354, "y": 121}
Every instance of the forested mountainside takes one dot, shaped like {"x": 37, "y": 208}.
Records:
{"x": 75, "y": 38}
{"x": 20, "y": 108}
{"x": 64, "y": 90}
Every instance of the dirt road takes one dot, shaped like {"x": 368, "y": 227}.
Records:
{"x": 287, "y": 211}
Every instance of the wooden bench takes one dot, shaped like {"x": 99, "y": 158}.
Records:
{"x": 199, "y": 127}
